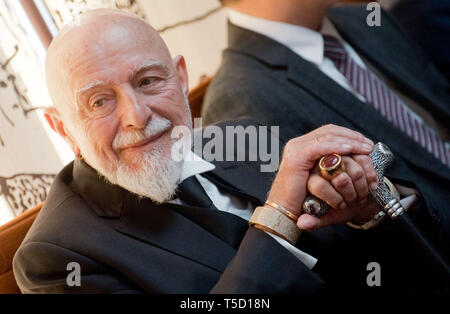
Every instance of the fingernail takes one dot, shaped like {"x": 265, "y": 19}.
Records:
{"x": 363, "y": 201}
{"x": 367, "y": 146}
{"x": 343, "y": 205}
{"x": 369, "y": 141}
{"x": 374, "y": 186}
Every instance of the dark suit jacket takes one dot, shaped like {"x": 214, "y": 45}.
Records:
{"x": 266, "y": 81}
{"x": 428, "y": 23}
{"x": 129, "y": 245}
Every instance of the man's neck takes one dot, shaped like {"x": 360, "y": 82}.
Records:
{"x": 306, "y": 14}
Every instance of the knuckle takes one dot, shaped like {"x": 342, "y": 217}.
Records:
{"x": 341, "y": 182}
{"x": 358, "y": 174}
{"x": 327, "y": 127}
{"x": 289, "y": 144}
{"x": 289, "y": 149}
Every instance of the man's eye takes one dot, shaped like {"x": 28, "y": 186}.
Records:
{"x": 147, "y": 81}
{"x": 98, "y": 103}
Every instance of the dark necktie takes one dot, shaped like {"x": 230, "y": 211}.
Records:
{"x": 191, "y": 192}
{"x": 226, "y": 226}
{"x": 385, "y": 101}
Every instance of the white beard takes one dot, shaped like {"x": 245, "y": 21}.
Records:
{"x": 157, "y": 177}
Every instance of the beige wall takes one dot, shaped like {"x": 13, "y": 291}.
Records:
{"x": 201, "y": 42}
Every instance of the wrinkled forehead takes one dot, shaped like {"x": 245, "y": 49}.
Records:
{"x": 104, "y": 46}
{"x": 97, "y": 41}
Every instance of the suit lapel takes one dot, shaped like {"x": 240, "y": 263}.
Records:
{"x": 399, "y": 60}
{"x": 163, "y": 227}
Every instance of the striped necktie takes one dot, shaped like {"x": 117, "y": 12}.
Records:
{"x": 384, "y": 100}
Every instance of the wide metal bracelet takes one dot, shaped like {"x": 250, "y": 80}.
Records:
{"x": 276, "y": 223}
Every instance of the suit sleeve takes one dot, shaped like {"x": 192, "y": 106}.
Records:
{"x": 42, "y": 268}
{"x": 262, "y": 265}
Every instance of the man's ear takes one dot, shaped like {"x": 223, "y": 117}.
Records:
{"x": 53, "y": 118}
{"x": 180, "y": 65}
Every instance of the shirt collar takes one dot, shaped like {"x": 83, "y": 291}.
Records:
{"x": 193, "y": 165}
{"x": 305, "y": 42}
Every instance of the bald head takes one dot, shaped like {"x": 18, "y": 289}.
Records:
{"x": 93, "y": 37}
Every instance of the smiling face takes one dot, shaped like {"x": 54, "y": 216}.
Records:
{"x": 118, "y": 95}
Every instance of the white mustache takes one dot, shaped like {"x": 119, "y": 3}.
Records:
{"x": 129, "y": 138}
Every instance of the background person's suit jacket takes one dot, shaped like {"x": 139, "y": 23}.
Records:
{"x": 263, "y": 79}
{"x": 428, "y": 23}
{"x": 124, "y": 244}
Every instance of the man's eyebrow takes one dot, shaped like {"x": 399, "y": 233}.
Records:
{"x": 88, "y": 87}
{"x": 152, "y": 65}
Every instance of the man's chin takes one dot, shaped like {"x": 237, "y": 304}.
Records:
{"x": 156, "y": 179}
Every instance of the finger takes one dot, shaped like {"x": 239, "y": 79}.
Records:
{"x": 310, "y": 223}
{"x": 344, "y": 186}
{"x": 340, "y": 131}
{"x": 340, "y": 139}
{"x": 317, "y": 149}
{"x": 321, "y": 188}
{"x": 371, "y": 176}
{"x": 357, "y": 175}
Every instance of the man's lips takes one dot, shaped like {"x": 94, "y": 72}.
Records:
{"x": 145, "y": 141}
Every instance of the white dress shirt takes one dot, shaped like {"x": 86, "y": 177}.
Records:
{"x": 194, "y": 165}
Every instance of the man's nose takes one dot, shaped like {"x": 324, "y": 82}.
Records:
{"x": 133, "y": 113}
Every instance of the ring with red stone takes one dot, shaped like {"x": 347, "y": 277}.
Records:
{"x": 330, "y": 166}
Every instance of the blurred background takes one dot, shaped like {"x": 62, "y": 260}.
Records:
{"x": 30, "y": 154}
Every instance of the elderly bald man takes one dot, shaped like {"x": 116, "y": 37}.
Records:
{"x": 125, "y": 216}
